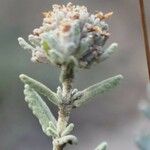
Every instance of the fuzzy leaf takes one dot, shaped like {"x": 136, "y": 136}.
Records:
{"x": 84, "y": 45}
{"x": 98, "y": 88}
{"x": 102, "y": 146}
{"x": 68, "y": 129}
{"x": 25, "y": 45}
{"x": 52, "y": 130}
{"x": 77, "y": 95}
{"x": 59, "y": 93}
{"x": 35, "y": 40}
{"x": 39, "y": 108}
{"x": 109, "y": 51}
{"x": 39, "y": 87}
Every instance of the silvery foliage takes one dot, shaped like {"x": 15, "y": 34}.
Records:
{"x": 69, "y": 36}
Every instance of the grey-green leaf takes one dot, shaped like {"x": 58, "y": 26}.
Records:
{"x": 25, "y": 45}
{"x": 52, "y": 130}
{"x": 109, "y": 51}
{"x": 39, "y": 87}
{"x": 68, "y": 129}
{"x": 102, "y": 146}
{"x": 39, "y": 108}
{"x": 98, "y": 88}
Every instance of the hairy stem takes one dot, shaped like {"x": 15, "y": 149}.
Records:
{"x": 63, "y": 118}
{"x": 66, "y": 78}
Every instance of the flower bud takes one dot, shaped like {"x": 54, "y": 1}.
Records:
{"x": 69, "y": 32}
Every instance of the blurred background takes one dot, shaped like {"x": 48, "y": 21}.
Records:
{"x": 112, "y": 117}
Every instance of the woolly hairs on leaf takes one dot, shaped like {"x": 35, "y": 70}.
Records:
{"x": 39, "y": 108}
{"x": 98, "y": 88}
{"x": 39, "y": 87}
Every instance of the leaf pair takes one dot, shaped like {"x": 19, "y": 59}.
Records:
{"x": 41, "y": 110}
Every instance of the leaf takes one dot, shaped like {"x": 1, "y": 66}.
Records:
{"x": 77, "y": 95}
{"x": 109, "y": 51}
{"x": 25, "y": 45}
{"x": 84, "y": 46}
{"x": 35, "y": 40}
{"x": 52, "y": 130}
{"x": 98, "y": 88}
{"x": 68, "y": 129}
{"x": 39, "y": 108}
{"x": 39, "y": 87}
{"x": 102, "y": 146}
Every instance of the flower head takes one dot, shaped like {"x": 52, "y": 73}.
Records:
{"x": 70, "y": 34}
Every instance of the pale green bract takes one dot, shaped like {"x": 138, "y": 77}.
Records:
{"x": 70, "y": 37}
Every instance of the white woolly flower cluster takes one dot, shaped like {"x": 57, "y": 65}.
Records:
{"x": 70, "y": 34}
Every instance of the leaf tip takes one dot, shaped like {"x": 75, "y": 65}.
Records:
{"x": 120, "y": 76}
{"x": 115, "y": 45}
{"x": 22, "y": 76}
{"x": 20, "y": 39}
{"x": 102, "y": 146}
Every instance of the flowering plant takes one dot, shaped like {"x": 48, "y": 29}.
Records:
{"x": 70, "y": 34}
{"x": 69, "y": 37}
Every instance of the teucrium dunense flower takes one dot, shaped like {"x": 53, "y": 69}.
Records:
{"x": 70, "y": 34}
